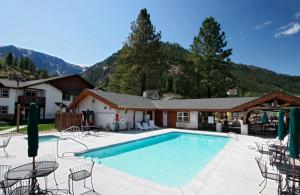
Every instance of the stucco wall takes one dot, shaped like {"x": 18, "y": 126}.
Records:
{"x": 52, "y": 95}
{"x": 10, "y": 101}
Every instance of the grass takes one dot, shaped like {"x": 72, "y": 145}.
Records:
{"x": 42, "y": 127}
{"x": 2, "y": 128}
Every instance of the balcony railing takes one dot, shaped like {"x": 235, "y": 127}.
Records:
{"x": 29, "y": 99}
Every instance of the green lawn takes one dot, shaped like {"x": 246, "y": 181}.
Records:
{"x": 42, "y": 127}
{"x": 5, "y": 127}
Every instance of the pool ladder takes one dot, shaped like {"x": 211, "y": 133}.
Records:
{"x": 64, "y": 153}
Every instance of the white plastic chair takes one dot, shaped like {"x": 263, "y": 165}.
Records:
{"x": 146, "y": 126}
{"x": 139, "y": 126}
{"x": 3, "y": 144}
{"x": 152, "y": 125}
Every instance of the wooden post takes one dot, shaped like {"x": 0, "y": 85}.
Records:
{"x": 134, "y": 119}
{"x": 18, "y": 117}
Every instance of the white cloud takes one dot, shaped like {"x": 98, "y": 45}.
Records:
{"x": 297, "y": 15}
{"x": 260, "y": 26}
{"x": 288, "y": 30}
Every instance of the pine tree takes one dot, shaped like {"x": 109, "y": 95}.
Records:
{"x": 26, "y": 63}
{"x": 9, "y": 59}
{"x": 138, "y": 66}
{"x": 21, "y": 64}
{"x": 210, "y": 56}
{"x": 15, "y": 62}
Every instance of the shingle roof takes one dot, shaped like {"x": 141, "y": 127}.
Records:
{"x": 207, "y": 103}
{"x": 124, "y": 100}
{"x": 9, "y": 83}
{"x": 132, "y": 101}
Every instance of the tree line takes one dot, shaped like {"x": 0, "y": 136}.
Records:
{"x": 24, "y": 63}
{"x": 145, "y": 62}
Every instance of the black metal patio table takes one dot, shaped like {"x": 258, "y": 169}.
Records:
{"x": 287, "y": 169}
{"x": 26, "y": 171}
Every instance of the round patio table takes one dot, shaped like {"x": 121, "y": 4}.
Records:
{"x": 287, "y": 169}
{"x": 26, "y": 171}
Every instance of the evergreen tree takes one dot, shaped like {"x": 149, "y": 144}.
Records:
{"x": 26, "y": 63}
{"x": 138, "y": 66}
{"x": 21, "y": 64}
{"x": 9, "y": 59}
{"x": 210, "y": 57}
{"x": 15, "y": 62}
{"x": 31, "y": 66}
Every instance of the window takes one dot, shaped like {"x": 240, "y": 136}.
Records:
{"x": 4, "y": 92}
{"x": 3, "y": 109}
{"x": 66, "y": 97}
{"x": 183, "y": 117}
{"x": 31, "y": 93}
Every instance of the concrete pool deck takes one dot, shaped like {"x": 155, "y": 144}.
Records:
{"x": 232, "y": 171}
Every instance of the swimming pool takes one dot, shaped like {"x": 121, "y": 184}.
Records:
{"x": 47, "y": 138}
{"x": 171, "y": 159}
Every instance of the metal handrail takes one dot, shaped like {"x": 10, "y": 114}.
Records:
{"x": 68, "y": 138}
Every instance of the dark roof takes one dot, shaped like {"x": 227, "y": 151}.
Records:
{"x": 14, "y": 83}
{"x": 132, "y": 101}
{"x": 124, "y": 100}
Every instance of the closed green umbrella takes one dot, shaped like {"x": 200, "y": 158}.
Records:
{"x": 294, "y": 143}
{"x": 32, "y": 130}
{"x": 33, "y": 136}
{"x": 280, "y": 132}
{"x": 265, "y": 119}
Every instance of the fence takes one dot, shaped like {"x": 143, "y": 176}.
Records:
{"x": 64, "y": 120}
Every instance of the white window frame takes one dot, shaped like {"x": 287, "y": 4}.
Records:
{"x": 183, "y": 117}
{"x": 2, "y": 92}
{"x": 1, "y": 109}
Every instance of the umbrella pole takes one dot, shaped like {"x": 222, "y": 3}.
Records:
{"x": 33, "y": 179}
{"x": 293, "y": 174}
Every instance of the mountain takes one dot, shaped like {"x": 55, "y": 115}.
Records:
{"x": 251, "y": 80}
{"x": 53, "y": 65}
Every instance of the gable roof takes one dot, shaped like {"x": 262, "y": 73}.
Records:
{"x": 124, "y": 101}
{"x": 14, "y": 83}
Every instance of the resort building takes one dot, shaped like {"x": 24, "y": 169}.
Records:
{"x": 127, "y": 110}
{"x": 50, "y": 94}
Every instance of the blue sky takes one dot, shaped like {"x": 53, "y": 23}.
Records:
{"x": 263, "y": 33}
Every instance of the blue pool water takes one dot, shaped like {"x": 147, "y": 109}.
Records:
{"x": 171, "y": 159}
{"x": 47, "y": 138}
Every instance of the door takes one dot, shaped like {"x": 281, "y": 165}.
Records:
{"x": 172, "y": 118}
{"x": 159, "y": 118}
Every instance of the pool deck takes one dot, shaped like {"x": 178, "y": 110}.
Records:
{"x": 232, "y": 171}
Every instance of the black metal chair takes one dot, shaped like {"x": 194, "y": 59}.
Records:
{"x": 5, "y": 184}
{"x": 261, "y": 150}
{"x": 22, "y": 188}
{"x": 4, "y": 144}
{"x": 48, "y": 158}
{"x": 267, "y": 175}
{"x": 79, "y": 173}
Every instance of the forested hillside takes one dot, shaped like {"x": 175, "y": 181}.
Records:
{"x": 204, "y": 70}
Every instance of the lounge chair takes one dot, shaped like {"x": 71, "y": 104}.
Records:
{"x": 139, "y": 126}
{"x": 152, "y": 125}
{"x": 3, "y": 144}
{"x": 146, "y": 126}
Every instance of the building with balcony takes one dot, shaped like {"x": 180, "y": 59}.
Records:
{"x": 51, "y": 94}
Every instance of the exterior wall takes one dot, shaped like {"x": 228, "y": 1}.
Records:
{"x": 10, "y": 101}
{"x": 52, "y": 95}
{"x": 138, "y": 116}
{"x": 104, "y": 116}
{"x": 165, "y": 118}
{"x": 193, "y": 124}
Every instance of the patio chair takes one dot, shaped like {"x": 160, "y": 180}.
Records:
{"x": 261, "y": 150}
{"x": 5, "y": 185}
{"x": 152, "y": 125}
{"x": 267, "y": 175}
{"x": 79, "y": 173}
{"x": 146, "y": 126}
{"x": 139, "y": 126}
{"x": 3, "y": 144}
{"x": 48, "y": 158}
{"x": 21, "y": 188}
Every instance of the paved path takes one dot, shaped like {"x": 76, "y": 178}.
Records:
{"x": 11, "y": 129}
